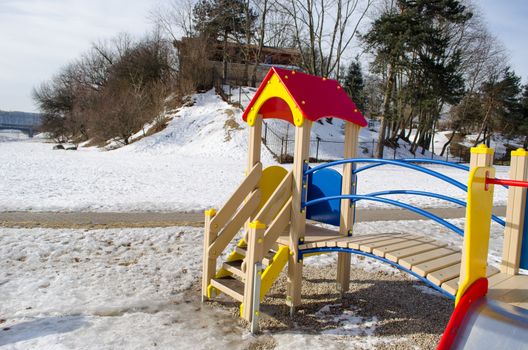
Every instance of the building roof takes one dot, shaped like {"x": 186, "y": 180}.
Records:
{"x": 293, "y": 96}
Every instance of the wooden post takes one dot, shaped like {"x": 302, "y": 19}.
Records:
{"x": 255, "y": 134}
{"x": 255, "y": 229}
{"x": 298, "y": 216}
{"x": 347, "y": 210}
{"x": 209, "y": 263}
{"x": 513, "y": 232}
{"x": 255, "y": 254}
{"x": 481, "y": 156}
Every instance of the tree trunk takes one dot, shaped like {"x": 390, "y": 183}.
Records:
{"x": 224, "y": 59}
{"x": 386, "y": 108}
{"x": 444, "y": 147}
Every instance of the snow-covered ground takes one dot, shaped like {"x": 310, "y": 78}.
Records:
{"x": 133, "y": 289}
{"x": 195, "y": 163}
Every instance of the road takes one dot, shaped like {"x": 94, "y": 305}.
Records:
{"x": 165, "y": 219}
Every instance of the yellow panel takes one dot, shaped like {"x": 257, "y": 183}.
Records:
{"x": 477, "y": 231}
{"x": 275, "y": 88}
{"x": 270, "y": 180}
{"x": 271, "y": 273}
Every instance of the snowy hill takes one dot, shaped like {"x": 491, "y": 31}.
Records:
{"x": 210, "y": 128}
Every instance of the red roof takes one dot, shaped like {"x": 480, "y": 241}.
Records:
{"x": 316, "y": 98}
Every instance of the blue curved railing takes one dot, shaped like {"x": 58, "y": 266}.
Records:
{"x": 391, "y": 162}
{"x": 358, "y": 252}
{"x": 420, "y": 211}
{"x": 432, "y": 195}
{"x": 411, "y": 160}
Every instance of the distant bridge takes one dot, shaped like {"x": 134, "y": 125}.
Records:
{"x": 28, "y": 123}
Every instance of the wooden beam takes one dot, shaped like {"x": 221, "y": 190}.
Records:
{"x": 254, "y": 254}
{"x": 298, "y": 215}
{"x": 276, "y": 201}
{"x": 233, "y": 227}
{"x": 228, "y": 210}
{"x": 209, "y": 262}
{"x": 277, "y": 226}
{"x": 347, "y": 209}
{"x": 513, "y": 231}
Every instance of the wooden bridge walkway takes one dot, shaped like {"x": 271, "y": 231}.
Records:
{"x": 431, "y": 261}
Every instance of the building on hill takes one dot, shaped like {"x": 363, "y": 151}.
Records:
{"x": 241, "y": 58}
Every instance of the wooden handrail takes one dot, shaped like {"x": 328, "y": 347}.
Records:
{"x": 233, "y": 227}
{"x": 229, "y": 208}
{"x": 283, "y": 191}
{"x": 279, "y": 224}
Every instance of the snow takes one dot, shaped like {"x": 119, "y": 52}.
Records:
{"x": 106, "y": 289}
{"x": 134, "y": 288}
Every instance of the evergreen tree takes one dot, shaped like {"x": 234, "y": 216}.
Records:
{"x": 410, "y": 45}
{"x": 354, "y": 85}
{"x": 502, "y": 105}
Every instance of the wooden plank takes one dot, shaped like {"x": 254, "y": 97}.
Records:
{"x": 450, "y": 286}
{"x": 343, "y": 242}
{"x": 355, "y": 244}
{"x": 523, "y": 305}
{"x": 491, "y": 271}
{"x": 440, "y": 276}
{"x": 316, "y": 234}
{"x": 436, "y": 264}
{"x": 235, "y": 267}
{"x": 409, "y": 261}
{"x": 368, "y": 246}
{"x": 279, "y": 224}
{"x": 498, "y": 278}
{"x": 411, "y": 242}
{"x": 401, "y": 253}
{"x": 230, "y": 286}
{"x": 276, "y": 201}
{"x": 231, "y": 229}
{"x": 517, "y": 285}
{"x": 229, "y": 208}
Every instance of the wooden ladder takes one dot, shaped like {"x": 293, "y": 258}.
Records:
{"x": 250, "y": 270}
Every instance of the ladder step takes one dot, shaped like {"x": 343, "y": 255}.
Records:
{"x": 230, "y": 286}
{"x": 268, "y": 259}
{"x": 235, "y": 267}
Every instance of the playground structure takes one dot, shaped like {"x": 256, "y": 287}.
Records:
{"x": 273, "y": 205}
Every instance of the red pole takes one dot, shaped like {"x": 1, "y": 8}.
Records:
{"x": 506, "y": 182}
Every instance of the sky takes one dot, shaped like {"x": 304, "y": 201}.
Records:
{"x": 37, "y": 37}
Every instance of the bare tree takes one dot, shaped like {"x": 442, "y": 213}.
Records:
{"x": 324, "y": 30}
{"x": 174, "y": 18}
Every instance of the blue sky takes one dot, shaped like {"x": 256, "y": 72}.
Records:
{"x": 37, "y": 37}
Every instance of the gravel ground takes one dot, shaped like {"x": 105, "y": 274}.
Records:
{"x": 405, "y": 317}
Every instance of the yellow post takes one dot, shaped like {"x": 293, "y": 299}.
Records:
{"x": 513, "y": 232}
{"x": 347, "y": 210}
{"x": 477, "y": 229}
{"x": 298, "y": 216}
{"x": 481, "y": 156}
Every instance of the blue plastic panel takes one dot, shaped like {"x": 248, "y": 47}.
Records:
{"x": 324, "y": 183}
{"x": 524, "y": 244}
